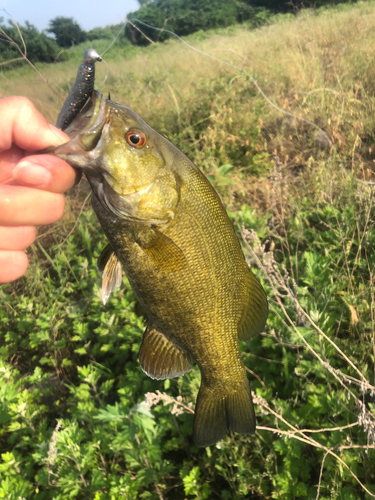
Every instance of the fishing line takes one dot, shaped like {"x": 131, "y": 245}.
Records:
{"x": 107, "y": 49}
{"x": 106, "y": 74}
{"x": 258, "y": 87}
{"x": 118, "y": 34}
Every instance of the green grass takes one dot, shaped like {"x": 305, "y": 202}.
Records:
{"x": 73, "y": 422}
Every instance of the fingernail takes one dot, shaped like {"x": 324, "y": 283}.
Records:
{"x": 61, "y": 136}
{"x": 30, "y": 173}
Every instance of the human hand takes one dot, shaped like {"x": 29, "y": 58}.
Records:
{"x": 30, "y": 185}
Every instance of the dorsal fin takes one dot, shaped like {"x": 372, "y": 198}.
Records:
{"x": 255, "y": 311}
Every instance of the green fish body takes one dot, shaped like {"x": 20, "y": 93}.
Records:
{"x": 168, "y": 229}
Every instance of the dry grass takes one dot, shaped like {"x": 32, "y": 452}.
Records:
{"x": 308, "y": 65}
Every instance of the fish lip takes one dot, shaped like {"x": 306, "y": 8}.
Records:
{"x": 97, "y": 106}
{"x": 88, "y": 123}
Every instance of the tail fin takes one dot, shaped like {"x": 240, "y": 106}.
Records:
{"x": 215, "y": 416}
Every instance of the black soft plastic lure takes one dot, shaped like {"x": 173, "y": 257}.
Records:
{"x": 81, "y": 90}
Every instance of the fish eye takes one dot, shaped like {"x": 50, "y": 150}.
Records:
{"x": 136, "y": 138}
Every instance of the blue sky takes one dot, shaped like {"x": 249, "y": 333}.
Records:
{"x": 88, "y": 13}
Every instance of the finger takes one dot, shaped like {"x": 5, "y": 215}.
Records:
{"x": 16, "y": 237}
{"x": 8, "y": 160}
{"x": 12, "y": 265}
{"x": 46, "y": 172}
{"x": 23, "y": 125}
{"x": 26, "y": 206}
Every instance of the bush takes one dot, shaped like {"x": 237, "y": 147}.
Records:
{"x": 40, "y": 47}
{"x": 67, "y": 31}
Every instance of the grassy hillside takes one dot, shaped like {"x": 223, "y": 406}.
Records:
{"x": 73, "y": 418}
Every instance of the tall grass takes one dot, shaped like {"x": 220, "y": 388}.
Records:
{"x": 73, "y": 420}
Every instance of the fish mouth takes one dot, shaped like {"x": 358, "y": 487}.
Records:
{"x": 85, "y": 132}
{"x": 91, "y": 118}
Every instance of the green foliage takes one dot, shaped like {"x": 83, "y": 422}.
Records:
{"x": 77, "y": 375}
{"x": 73, "y": 420}
{"x": 318, "y": 265}
{"x": 185, "y": 17}
{"x": 40, "y": 47}
{"x": 67, "y": 31}
{"x": 107, "y": 33}
{"x": 192, "y": 485}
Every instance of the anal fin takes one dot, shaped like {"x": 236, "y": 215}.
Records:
{"x": 160, "y": 358}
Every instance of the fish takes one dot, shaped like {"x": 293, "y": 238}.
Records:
{"x": 81, "y": 89}
{"x": 168, "y": 230}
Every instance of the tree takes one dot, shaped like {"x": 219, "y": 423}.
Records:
{"x": 182, "y": 17}
{"x": 40, "y": 47}
{"x": 67, "y": 31}
{"x": 188, "y": 16}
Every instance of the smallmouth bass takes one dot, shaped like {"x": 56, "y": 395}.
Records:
{"x": 168, "y": 229}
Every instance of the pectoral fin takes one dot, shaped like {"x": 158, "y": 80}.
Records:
{"x": 103, "y": 258}
{"x": 111, "y": 268}
{"x": 160, "y": 358}
{"x": 255, "y": 311}
{"x": 162, "y": 251}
